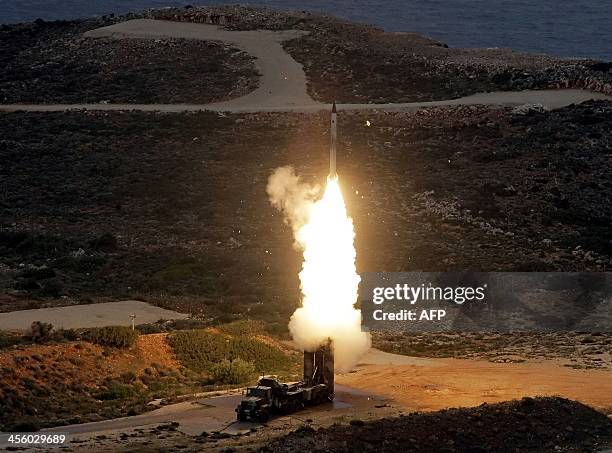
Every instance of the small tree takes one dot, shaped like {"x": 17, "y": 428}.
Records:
{"x": 234, "y": 371}
{"x": 113, "y": 336}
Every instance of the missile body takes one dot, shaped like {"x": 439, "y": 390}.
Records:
{"x": 332, "y": 148}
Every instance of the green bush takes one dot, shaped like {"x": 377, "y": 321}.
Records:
{"x": 170, "y": 325}
{"x": 146, "y": 329}
{"x": 244, "y": 328}
{"x": 236, "y": 371}
{"x": 115, "y": 390}
{"x": 112, "y": 336}
{"x": 67, "y": 334}
{"x": 8, "y": 340}
{"x": 199, "y": 350}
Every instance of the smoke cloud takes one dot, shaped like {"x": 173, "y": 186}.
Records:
{"x": 329, "y": 280}
{"x": 290, "y": 195}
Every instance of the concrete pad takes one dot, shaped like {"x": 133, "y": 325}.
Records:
{"x": 92, "y": 315}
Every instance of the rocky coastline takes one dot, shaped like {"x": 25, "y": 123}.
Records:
{"x": 345, "y": 62}
{"x": 350, "y": 62}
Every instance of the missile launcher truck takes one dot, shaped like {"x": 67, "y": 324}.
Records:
{"x": 273, "y": 397}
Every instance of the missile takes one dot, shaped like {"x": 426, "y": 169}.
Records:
{"x": 332, "y": 148}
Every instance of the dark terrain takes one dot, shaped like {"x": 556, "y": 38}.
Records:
{"x": 540, "y": 424}
{"x": 172, "y": 208}
{"x": 51, "y": 62}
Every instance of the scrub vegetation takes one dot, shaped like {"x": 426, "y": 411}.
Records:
{"x": 458, "y": 188}
{"x": 76, "y": 376}
{"x": 51, "y": 62}
{"x": 203, "y": 350}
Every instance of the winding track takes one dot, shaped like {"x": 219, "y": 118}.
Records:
{"x": 282, "y": 86}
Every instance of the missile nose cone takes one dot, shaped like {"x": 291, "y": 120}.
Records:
{"x": 334, "y": 107}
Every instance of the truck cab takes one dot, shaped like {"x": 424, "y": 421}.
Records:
{"x": 256, "y": 404}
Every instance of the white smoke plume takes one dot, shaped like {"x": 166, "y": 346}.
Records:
{"x": 292, "y": 196}
{"x": 329, "y": 280}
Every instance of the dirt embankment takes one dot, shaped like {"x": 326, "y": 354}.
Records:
{"x": 78, "y": 376}
{"x": 541, "y": 424}
{"x": 56, "y": 384}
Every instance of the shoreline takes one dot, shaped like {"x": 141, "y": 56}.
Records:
{"x": 335, "y": 60}
{"x": 457, "y": 37}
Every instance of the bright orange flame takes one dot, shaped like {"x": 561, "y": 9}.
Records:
{"x": 329, "y": 281}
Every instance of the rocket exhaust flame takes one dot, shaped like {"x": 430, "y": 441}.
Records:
{"x": 329, "y": 280}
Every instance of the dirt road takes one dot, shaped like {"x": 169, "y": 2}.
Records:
{"x": 412, "y": 383}
{"x": 382, "y": 385}
{"x": 282, "y": 83}
{"x": 551, "y": 99}
{"x": 282, "y": 86}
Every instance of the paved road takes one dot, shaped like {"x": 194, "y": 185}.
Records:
{"x": 92, "y": 315}
{"x": 282, "y": 81}
{"x": 282, "y": 86}
{"x": 205, "y": 414}
{"x": 551, "y": 99}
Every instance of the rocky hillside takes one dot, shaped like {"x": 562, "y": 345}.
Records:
{"x": 344, "y": 61}
{"x": 76, "y": 376}
{"x": 75, "y": 382}
{"x": 51, "y": 62}
{"x": 173, "y": 208}
{"x": 350, "y": 62}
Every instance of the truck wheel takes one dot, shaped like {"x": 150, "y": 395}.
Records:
{"x": 264, "y": 416}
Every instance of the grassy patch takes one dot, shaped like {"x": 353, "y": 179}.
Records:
{"x": 244, "y": 328}
{"x": 236, "y": 371}
{"x": 201, "y": 350}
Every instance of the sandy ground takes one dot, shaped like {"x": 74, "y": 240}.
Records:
{"x": 282, "y": 85}
{"x": 92, "y": 315}
{"x": 432, "y": 384}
